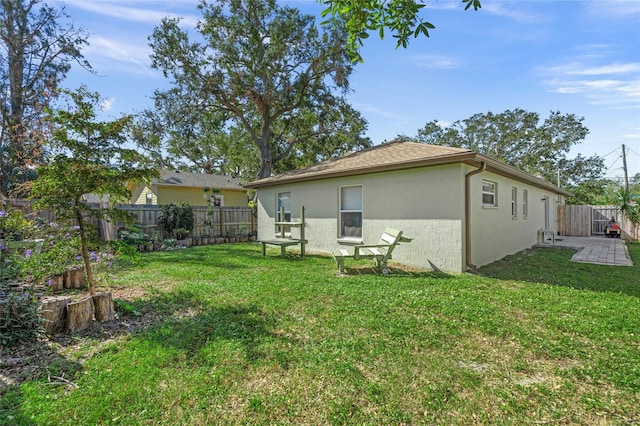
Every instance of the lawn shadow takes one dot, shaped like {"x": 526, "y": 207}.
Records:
{"x": 395, "y": 271}
{"x": 226, "y": 256}
{"x": 553, "y": 266}
{"x": 182, "y": 320}
{"x": 192, "y": 330}
{"x": 11, "y": 398}
{"x": 33, "y": 360}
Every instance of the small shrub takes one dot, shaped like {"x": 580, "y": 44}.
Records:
{"x": 180, "y": 233}
{"x": 19, "y": 317}
{"x": 58, "y": 250}
{"x": 134, "y": 235}
{"x": 125, "y": 252}
{"x": 176, "y": 216}
{"x": 9, "y": 268}
{"x": 124, "y": 308}
{"x": 14, "y": 226}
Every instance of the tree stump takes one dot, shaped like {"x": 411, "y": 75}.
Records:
{"x": 74, "y": 278}
{"x": 80, "y": 314}
{"x": 103, "y": 305}
{"x": 66, "y": 280}
{"x": 57, "y": 282}
{"x": 54, "y": 313}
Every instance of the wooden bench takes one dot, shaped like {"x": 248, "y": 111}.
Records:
{"x": 283, "y": 241}
{"x": 380, "y": 252}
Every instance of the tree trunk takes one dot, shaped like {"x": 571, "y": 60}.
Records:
{"x": 80, "y": 314}
{"x": 103, "y": 305}
{"x": 264, "y": 147}
{"x": 83, "y": 247}
{"x": 53, "y": 313}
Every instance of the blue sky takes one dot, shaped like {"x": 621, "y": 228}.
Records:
{"x": 576, "y": 57}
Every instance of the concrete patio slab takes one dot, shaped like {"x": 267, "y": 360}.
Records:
{"x": 598, "y": 250}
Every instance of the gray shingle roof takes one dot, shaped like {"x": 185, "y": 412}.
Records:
{"x": 198, "y": 180}
{"x": 399, "y": 155}
{"x": 388, "y": 156}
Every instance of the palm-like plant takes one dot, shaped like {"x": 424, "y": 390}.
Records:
{"x": 628, "y": 206}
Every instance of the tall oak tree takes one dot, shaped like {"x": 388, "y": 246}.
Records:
{"x": 270, "y": 72}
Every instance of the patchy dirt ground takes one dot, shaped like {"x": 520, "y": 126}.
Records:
{"x": 64, "y": 352}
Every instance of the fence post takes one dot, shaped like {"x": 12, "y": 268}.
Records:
{"x": 222, "y": 233}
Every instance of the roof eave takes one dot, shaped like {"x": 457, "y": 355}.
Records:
{"x": 470, "y": 158}
{"x": 503, "y": 169}
{"x": 422, "y": 162}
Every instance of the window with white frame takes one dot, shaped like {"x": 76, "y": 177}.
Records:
{"x": 489, "y": 194}
{"x": 350, "y": 212}
{"x": 514, "y": 202}
{"x": 525, "y": 203}
{"x": 283, "y": 200}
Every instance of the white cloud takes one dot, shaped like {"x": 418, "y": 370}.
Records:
{"x": 622, "y": 94}
{"x": 634, "y": 136}
{"x": 136, "y": 57}
{"x": 515, "y": 11}
{"x": 577, "y": 68}
{"x": 436, "y": 61}
{"x": 107, "y": 104}
{"x": 126, "y": 13}
{"x": 614, "y": 84}
{"x": 376, "y": 110}
{"x": 614, "y": 9}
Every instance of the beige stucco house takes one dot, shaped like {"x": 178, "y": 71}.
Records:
{"x": 196, "y": 189}
{"x": 462, "y": 209}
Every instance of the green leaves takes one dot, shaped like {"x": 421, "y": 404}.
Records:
{"x": 627, "y": 204}
{"x": 475, "y": 3}
{"x": 263, "y": 73}
{"x": 518, "y": 138}
{"x": 37, "y": 48}
{"x": 401, "y": 17}
{"x": 90, "y": 159}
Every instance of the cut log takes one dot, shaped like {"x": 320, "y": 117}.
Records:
{"x": 103, "y": 305}
{"x": 54, "y": 313}
{"x": 66, "y": 280}
{"x": 80, "y": 314}
{"x": 57, "y": 283}
{"x": 74, "y": 278}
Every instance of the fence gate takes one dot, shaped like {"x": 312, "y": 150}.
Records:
{"x": 600, "y": 217}
{"x": 587, "y": 221}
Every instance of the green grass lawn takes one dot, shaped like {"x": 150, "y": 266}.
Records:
{"x": 232, "y": 337}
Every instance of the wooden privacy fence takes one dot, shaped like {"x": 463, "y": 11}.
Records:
{"x": 590, "y": 221}
{"x": 207, "y": 221}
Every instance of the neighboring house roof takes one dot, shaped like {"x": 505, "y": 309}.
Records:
{"x": 198, "y": 180}
{"x": 95, "y": 198}
{"x": 399, "y": 155}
